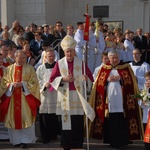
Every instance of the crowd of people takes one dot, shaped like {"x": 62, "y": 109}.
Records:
{"x": 43, "y": 71}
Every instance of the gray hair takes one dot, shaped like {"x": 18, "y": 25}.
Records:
{"x": 19, "y": 51}
{"x": 113, "y": 52}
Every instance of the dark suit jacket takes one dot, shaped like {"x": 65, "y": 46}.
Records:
{"x": 29, "y": 36}
{"x": 35, "y": 47}
{"x": 57, "y": 35}
{"x": 50, "y": 38}
{"x": 140, "y": 44}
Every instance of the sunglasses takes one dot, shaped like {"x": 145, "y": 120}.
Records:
{"x": 36, "y": 35}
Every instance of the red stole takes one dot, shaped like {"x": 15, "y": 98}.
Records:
{"x": 17, "y": 98}
{"x": 100, "y": 92}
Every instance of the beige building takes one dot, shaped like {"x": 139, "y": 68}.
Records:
{"x": 133, "y": 13}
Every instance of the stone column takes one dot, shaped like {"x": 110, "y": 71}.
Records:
{"x": 146, "y": 16}
{"x": 0, "y": 10}
{"x": 7, "y": 12}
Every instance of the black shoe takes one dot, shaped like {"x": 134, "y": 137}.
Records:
{"x": 121, "y": 147}
{"x": 17, "y": 145}
{"x": 22, "y": 145}
{"x": 45, "y": 141}
{"x": 130, "y": 142}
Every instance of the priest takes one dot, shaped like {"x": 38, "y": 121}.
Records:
{"x": 67, "y": 79}
{"x": 112, "y": 98}
{"x": 20, "y": 100}
{"x": 47, "y": 110}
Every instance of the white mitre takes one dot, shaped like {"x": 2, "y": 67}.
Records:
{"x": 68, "y": 42}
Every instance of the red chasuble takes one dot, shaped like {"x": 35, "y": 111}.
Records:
{"x": 130, "y": 105}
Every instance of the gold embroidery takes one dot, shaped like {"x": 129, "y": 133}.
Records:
{"x": 102, "y": 79}
{"x": 99, "y": 102}
{"x": 68, "y": 39}
{"x": 147, "y": 135}
{"x": 147, "y": 138}
{"x": 98, "y": 126}
{"x": 65, "y": 118}
{"x": 133, "y": 126}
{"x": 78, "y": 88}
{"x": 126, "y": 78}
{"x": 78, "y": 68}
{"x": 64, "y": 99}
{"x": 130, "y": 102}
{"x": 64, "y": 71}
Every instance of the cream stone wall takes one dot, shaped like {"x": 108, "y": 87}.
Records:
{"x": 133, "y": 13}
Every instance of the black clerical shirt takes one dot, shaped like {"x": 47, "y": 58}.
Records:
{"x": 137, "y": 63}
{"x": 48, "y": 65}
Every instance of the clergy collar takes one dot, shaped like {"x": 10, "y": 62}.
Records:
{"x": 115, "y": 65}
{"x": 137, "y": 63}
{"x": 48, "y": 65}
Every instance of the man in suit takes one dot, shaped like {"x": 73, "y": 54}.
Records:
{"x": 59, "y": 34}
{"x": 36, "y": 44}
{"x": 30, "y": 35}
{"x": 46, "y": 36}
{"x": 140, "y": 42}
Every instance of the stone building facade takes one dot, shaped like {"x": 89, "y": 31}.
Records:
{"x": 133, "y": 13}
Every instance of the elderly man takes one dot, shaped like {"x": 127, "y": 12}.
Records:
{"x": 67, "y": 79}
{"x": 20, "y": 100}
{"x": 112, "y": 89}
